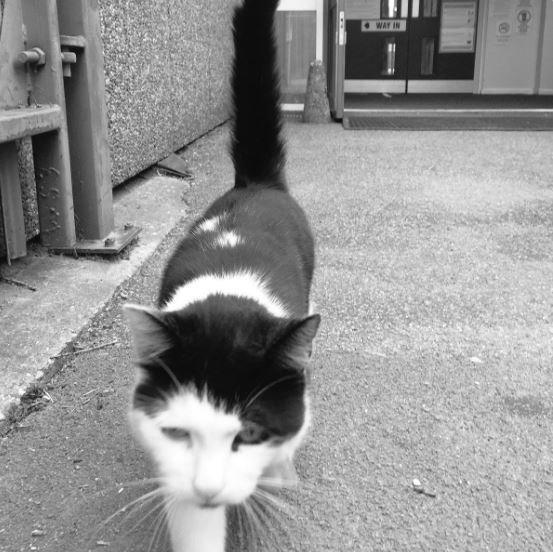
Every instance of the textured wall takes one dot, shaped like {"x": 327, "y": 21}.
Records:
{"x": 167, "y": 64}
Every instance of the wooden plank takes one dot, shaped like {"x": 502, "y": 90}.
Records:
{"x": 10, "y": 200}
{"x": 13, "y": 80}
{"x": 18, "y": 123}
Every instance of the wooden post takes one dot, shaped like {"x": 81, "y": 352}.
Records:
{"x": 10, "y": 200}
{"x": 50, "y": 150}
{"x": 87, "y": 119}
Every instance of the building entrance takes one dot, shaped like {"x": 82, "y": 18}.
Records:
{"x": 400, "y": 46}
{"x": 461, "y": 47}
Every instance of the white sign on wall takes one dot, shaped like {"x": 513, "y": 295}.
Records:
{"x": 383, "y": 25}
{"x": 457, "y": 29}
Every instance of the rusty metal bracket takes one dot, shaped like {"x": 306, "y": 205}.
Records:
{"x": 34, "y": 56}
{"x": 42, "y": 42}
{"x": 113, "y": 244}
{"x": 71, "y": 46}
{"x": 77, "y": 42}
{"x": 67, "y": 59}
{"x": 79, "y": 26}
{"x": 29, "y": 43}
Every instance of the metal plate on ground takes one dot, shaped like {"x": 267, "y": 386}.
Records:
{"x": 445, "y": 122}
{"x": 113, "y": 244}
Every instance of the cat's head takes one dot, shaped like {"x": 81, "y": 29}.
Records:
{"x": 220, "y": 400}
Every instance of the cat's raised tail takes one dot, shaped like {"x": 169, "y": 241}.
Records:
{"x": 257, "y": 146}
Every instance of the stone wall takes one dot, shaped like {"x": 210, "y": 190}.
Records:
{"x": 167, "y": 64}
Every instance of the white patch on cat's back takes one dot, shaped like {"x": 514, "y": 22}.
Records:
{"x": 242, "y": 284}
{"x": 228, "y": 239}
{"x": 210, "y": 224}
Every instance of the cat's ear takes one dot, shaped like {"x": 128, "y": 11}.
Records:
{"x": 150, "y": 334}
{"x": 297, "y": 342}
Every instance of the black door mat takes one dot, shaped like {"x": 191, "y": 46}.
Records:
{"x": 447, "y": 101}
{"x": 448, "y": 122}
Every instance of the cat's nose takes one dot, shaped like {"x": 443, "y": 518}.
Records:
{"x": 207, "y": 491}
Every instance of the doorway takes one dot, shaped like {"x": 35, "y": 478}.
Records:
{"x": 407, "y": 46}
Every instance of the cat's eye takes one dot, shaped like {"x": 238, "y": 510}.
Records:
{"x": 251, "y": 434}
{"x": 176, "y": 433}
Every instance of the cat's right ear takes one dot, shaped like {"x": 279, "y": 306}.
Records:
{"x": 150, "y": 334}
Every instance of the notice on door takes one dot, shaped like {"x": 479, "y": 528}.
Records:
{"x": 457, "y": 29}
{"x": 383, "y": 25}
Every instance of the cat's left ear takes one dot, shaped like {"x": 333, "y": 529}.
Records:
{"x": 297, "y": 342}
{"x": 150, "y": 333}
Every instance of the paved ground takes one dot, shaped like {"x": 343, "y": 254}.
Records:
{"x": 70, "y": 291}
{"x": 434, "y": 361}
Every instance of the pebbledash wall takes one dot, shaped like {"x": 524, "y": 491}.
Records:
{"x": 167, "y": 65}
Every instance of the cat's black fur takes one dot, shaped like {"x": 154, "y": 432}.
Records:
{"x": 231, "y": 346}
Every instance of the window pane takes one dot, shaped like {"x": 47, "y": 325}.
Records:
{"x": 389, "y": 9}
{"x": 427, "y": 56}
{"x": 430, "y": 8}
{"x": 388, "y": 57}
{"x": 296, "y": 43}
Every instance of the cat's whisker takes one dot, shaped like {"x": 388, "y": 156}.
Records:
{"x": 268, "y": 507}
{"x": 245, "y": 528}
{"x": 160, "y": 522}
{"x": 132, "y": 510}
{"x": 276, "y": 505}
{"x": 150, "y": 512}
{"x": 169, "y": 372}
{"x": 242, "y": 534}
{"x": 238, "y": 533}
{"x": 267, "y": 515}
{"x": 250, "y": 401}
{"x": 277, "y": 483}
{"x": 271, "y": 497}
{"x": 117, "y": 488}
{"x": 128, "y": 508}
{"x": 254, "y": 521}
{"x": 137, "y": 483}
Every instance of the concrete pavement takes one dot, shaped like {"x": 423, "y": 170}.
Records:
{"x": 46, "y": 300}
{"x": 434, "y": 361}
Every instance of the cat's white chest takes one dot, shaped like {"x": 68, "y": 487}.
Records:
{"x": 195, "y": 529}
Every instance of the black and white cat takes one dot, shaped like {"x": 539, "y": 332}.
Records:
{"x": 221, "y": 396}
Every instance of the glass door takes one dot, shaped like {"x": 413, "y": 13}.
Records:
{"x": 377, "y": 42}
{"x": 299, "y": 36}
{"x": 400, "y": 46}
{"x": 442, "y": 36}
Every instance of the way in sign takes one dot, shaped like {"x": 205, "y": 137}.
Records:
{"x": 380, "y": 25}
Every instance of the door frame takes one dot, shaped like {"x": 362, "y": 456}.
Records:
{"x": 421, "y": 86}
{"x": 337, "y": 57}
{"x": 307, "y": 5}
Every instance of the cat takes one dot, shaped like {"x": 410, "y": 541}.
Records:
{"x": 221, "y": 400}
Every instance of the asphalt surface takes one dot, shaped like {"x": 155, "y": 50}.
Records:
{"x": 434, "y": 361}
